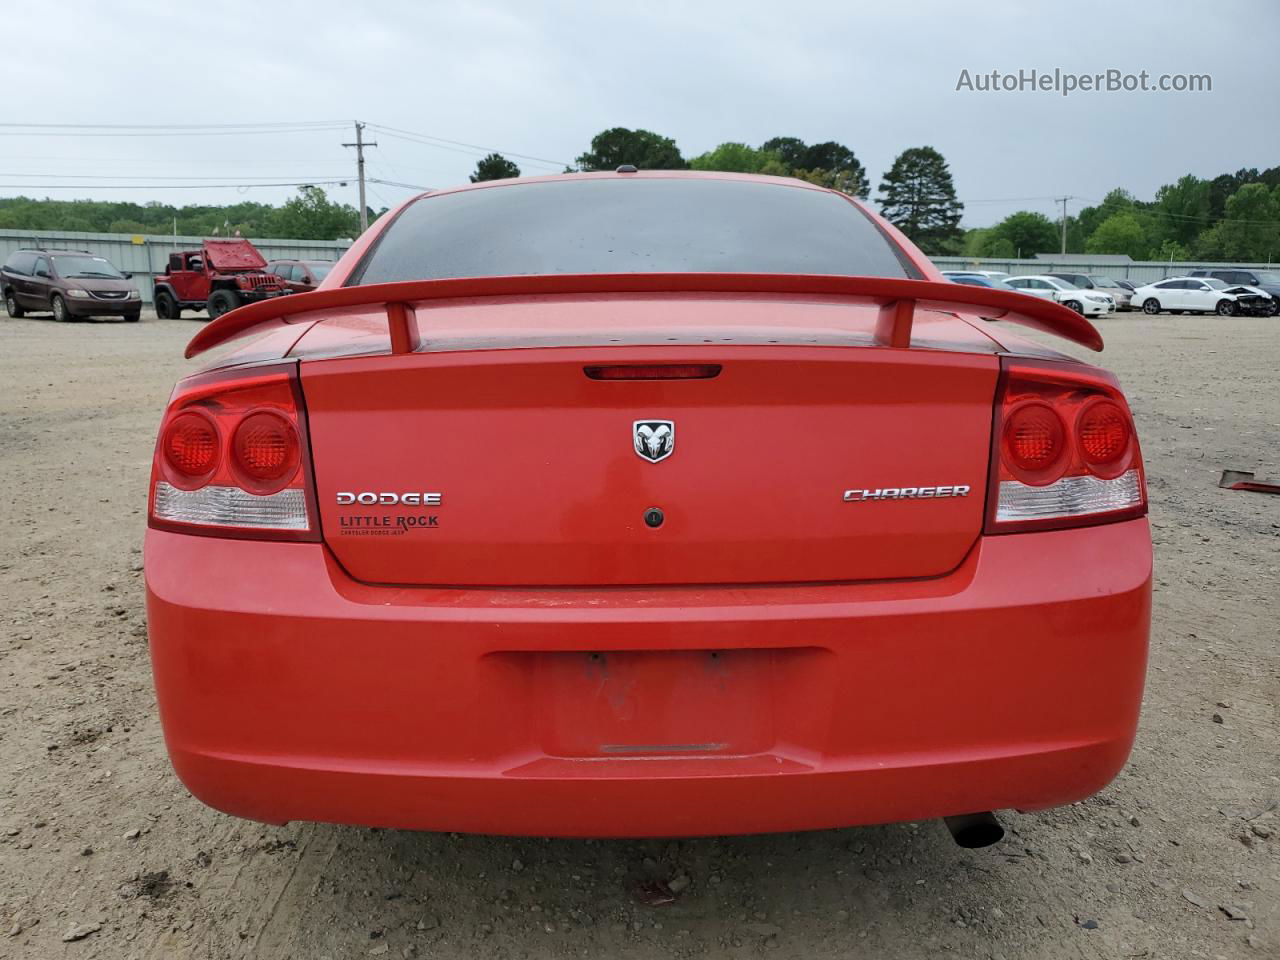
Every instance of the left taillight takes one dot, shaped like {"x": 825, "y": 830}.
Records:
{"x": 232, "y": 458}
{"x": 1064, "y": 452}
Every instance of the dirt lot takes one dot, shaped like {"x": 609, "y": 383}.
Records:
{"x": 103, "y": 853}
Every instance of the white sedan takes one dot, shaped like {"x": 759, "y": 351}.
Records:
{"x": 1199, "y": 295}
{"x": 1088, "y": 303}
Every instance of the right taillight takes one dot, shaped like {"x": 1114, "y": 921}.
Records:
{"x": 1064, "y": 451}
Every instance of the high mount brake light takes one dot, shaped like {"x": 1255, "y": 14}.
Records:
{"x": 1064, "y": 451}
{"x": 232, "y": 458}
{"x": 655, "y": 371}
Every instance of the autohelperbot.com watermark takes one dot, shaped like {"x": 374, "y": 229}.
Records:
{"x": 1065, "y": 83}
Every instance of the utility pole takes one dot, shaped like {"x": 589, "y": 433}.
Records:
{"x": 1063, "y": 201}
{"x": 360, "y": 144}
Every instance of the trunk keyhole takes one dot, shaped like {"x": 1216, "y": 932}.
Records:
{"x": 653, "y": 517}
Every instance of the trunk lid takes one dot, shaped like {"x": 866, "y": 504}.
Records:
{"x": 540, "y": 480}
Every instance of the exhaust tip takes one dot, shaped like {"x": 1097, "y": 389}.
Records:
{"x": 974, "y": 830}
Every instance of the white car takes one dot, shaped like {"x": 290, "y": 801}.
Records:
{"x": 1200, "y": 295}
{"x": 1088, "y": 303}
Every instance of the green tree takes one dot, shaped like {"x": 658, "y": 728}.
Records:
{"x": 1076, "y": 237}
{"x": 839, "y": 164}
{"x": 312, "y": 216}
{"x": 918, "y": 196}
{"x": 740, "y": 158}
{"x": 1250, "y": 231}
{"x": 1181, "y": 210}
{"x": 1120, "y": 233}
{"x": 1117, "y": 201}
{"x": 1224, "y": 185}
{"x": 1170, "y": 250}
{"x": 790, "y": 151}
{"x": 828, "y": 164}
{"x": 1026, "y": 233}
{"x": 494, "y": 167}
{"x": 984, "y": 242}
{"x": 644, "y": 149}
{"x": 841, "y": 180}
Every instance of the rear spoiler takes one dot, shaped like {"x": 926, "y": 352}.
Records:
{"x": 897, "y": 299}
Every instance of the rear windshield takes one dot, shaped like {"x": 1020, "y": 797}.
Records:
{"x": 631, "y": 226}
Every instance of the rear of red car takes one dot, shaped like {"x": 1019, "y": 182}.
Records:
{"x": 702, "y": 552}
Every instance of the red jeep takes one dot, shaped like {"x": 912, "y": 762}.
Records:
{"x": 221, "y": 275}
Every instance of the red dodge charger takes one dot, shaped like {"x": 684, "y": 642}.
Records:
{"x": 640, "y": 504}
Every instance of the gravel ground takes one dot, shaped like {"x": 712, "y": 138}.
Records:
{"x": 104, "y": 854}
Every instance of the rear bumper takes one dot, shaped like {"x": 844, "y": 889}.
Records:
{"x": 288, "y": 691}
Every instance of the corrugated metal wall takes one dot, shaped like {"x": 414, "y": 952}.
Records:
{"x": 1145, "y": 271}
{"x": 146, "y": 255}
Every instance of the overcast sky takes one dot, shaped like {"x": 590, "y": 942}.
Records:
{"x": 541, "y": 78}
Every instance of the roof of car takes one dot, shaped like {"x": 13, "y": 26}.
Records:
{"x": 54, "y": 253}
{"x": 638, "y": 175}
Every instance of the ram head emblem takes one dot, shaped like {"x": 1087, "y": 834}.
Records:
{"x": 654, "y": 439}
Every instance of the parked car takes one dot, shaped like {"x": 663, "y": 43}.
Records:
{"x": 300, "y": 276}
{"x": 1087, "y": 303}
{"x": 1268, "y": 281}
{"x": 1202, "y": 295}
{"x": 989, "y": 274}
{"x": 223, "y": 274}
{"x": 1101, "y": 283}
{"x": 69, "y": 284}
{"x": 1127, "y": 285}
{"x": 975, "y": 279}
{"x": 517, "y": 552}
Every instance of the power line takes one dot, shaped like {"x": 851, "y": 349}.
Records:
{"x": 140, "y": 176}
{"x": 429, "y": 140}
{"x": 221, "y": 161}
{"x": 1012, "y": 200}
{"x": 168, "y": 186}
{"x": 170, "y": 133}
{"x": 1153, "y": 211}
{"x": 175, "y": 126}
{"x": 396, "y": 183}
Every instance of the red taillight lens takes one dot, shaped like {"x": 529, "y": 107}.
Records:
{"x": 1064, "y": 451}
{"x": 265, "y": 447}
{"x": 1103, "y": 432}
{"x": 1034, "y": 437}
{"x": 191, "y": 445}
{"x": 232, "y": 458}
